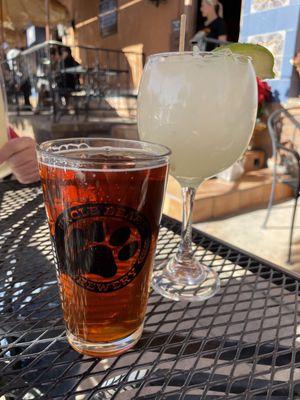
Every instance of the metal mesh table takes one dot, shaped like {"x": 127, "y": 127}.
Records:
{"x": 244, "y": 343}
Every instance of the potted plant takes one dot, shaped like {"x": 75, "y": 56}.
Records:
{"x": 260, "y": 138}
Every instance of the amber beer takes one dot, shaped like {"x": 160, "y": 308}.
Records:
{"x": 103, "y": 199}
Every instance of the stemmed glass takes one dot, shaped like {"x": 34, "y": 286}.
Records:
{"x": 203, "y": 106}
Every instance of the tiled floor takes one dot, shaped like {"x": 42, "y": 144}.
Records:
{"x": 224, "y": 209}
{"x": 216, "y": 198}
{"x": 245, "y": 231}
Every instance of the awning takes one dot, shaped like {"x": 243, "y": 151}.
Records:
{"x": 14, "y": 38}
{"x": 19, "y": 14}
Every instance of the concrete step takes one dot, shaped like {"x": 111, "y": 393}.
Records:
{"x": 216, "y": 198}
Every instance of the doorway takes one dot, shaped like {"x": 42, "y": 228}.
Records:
{"x": 232, "y": 16}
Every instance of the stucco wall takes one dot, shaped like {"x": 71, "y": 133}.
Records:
{"x": 275, "y": 24}
{"x": 140, "y": 22}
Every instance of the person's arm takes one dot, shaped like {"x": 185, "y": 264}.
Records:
{"x": 223, "y": 38}
{"x": 20, "y": 155}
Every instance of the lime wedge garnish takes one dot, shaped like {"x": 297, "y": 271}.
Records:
{"x": 262, "y": 58}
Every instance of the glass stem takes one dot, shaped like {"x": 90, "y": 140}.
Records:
{"x": 185, "y": 252}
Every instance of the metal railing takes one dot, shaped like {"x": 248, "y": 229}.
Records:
{"x": 42, "y": 79}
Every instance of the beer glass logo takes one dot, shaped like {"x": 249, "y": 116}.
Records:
{"x": 102, "y": 247}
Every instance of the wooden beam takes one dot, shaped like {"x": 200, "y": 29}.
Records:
{"x": 2, "y": 22}
{"x": 47, "y": 11}
{"x": 2, "y": 38}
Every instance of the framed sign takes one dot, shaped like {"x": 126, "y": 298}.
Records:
{"x": 264, "y": 5}
{"x": 108, "y": 17}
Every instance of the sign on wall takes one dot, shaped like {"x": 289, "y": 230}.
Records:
{"x": 274, "y": 41}
{"x": 265, "y": 5}
{"x": 108, "y": 17}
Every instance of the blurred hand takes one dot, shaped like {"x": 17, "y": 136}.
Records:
{"x": 20, "y": 155}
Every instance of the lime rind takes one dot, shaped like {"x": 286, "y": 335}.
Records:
{"x": 262, "y": 58}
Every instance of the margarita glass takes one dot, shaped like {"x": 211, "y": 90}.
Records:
{"x": 203, "y": 107}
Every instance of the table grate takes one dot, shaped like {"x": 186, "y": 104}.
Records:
{"x": 244, "y": 343}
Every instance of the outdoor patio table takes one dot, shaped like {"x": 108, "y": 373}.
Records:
{"x": 244, "y": 343}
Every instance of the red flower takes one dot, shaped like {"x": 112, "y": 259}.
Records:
{"x": 264, "y": 91}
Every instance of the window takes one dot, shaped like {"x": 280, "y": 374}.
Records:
{"x": 108, "y": 17}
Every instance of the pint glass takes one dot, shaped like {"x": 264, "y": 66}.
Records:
{"x": 103, "y": 199}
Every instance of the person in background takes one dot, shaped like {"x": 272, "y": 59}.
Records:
{"x": 67, "y": 79}
{"x": 20, "y": 155}
{"x": 25, "y": 88}
{"x": 70, "y": 80}
{"x": 48, "y": 75}
{"x": 19, "y": 79}
{"x": 25, "y": 84}
{"x": 214, "y": 25}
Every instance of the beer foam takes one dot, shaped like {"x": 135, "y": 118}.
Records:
{"x": 75, "y": 154}
{"x": 70, "y": 147}
{"x": 83, "y": 169}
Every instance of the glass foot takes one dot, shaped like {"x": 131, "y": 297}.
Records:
{"x": 170, "y": 284}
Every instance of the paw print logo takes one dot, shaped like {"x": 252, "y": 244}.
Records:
{"x": 102, "y": 252}
{"x": 101, "y": 248}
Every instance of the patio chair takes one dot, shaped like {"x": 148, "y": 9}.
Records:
{"x": 285, "y": 149}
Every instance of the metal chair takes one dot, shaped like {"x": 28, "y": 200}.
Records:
{"x": 286, "y": 149}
